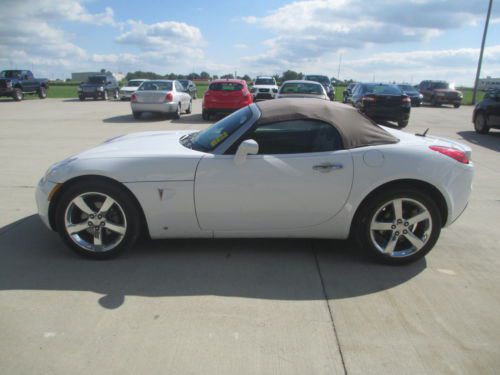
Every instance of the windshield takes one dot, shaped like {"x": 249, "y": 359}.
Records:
{"x": 302, "y": 88}
{"x": 225, "y": 86}
{"x": 134, "y": 83}
{"x": 382, "y": 90}
{"x": 208, "y": 139}
{"x": 96, "y": 80}
{"x": 156, "y": 86}
{"x": 265, "y": 81}
{"x": 441, "y": 85}
{"x": 10, "y": 74}
{"x": 322, "y": 79}
{"x": 407, "y": 88}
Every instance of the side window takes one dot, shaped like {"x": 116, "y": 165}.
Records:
{"x": 178, "y": 86}
{"x": 294, "y": 137}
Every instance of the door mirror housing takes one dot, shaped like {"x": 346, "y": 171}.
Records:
{"x": 247, "y": 147}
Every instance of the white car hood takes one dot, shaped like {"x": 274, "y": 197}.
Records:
{"x": 144, "y": 144}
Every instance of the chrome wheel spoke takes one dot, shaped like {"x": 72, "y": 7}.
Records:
{"x": 380, "y": 225}
{"x": 391, "y": 245}
{"x": 415, "y": 241}
{"x": 115, "y": 228}
{"x": 398, "y": 209}
{"x": 106, "y": 205}
{"x": 77, "y": 228}
{"x": 97, "y": 240}
{"x": 418, "y": 218}
{"x": 82, "y": 205}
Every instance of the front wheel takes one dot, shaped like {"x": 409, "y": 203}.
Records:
{"x": 435, "y": 102}
{"x": 18, "y": 95}
{"x": 97, "y": 220}
{"x": 190, "y": 108}
{"x": 42, "y": 92}
{"x": 456, "y": 105}
{"x": 480, "y": 124}
{"x": 398, "y": 226}
{"x": 137, "y": 115}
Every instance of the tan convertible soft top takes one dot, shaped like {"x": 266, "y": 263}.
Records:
{"x": 355, "y": 129}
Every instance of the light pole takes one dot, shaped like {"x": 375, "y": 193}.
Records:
{"x": 480, "y": 62}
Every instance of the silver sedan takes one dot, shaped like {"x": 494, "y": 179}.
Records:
{"x": 302, "y": 89}
{"x": 161, "y": 96}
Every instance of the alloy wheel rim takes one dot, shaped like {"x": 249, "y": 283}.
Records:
{"x": 400, "y": 227}
{"x": 479, "y": 122}
{"x": 95, "y": 222}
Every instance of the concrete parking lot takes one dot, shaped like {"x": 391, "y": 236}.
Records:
{"x": 237, "y": 306}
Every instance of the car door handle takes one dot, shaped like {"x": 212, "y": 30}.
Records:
{"x": 327, "y": 167}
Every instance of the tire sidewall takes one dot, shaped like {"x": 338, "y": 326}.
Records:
{"x": 483, "y": 127}
{"x": 42, "y": 93}
{"x": 121, "y": 196}
{"x": 365, "y": 215}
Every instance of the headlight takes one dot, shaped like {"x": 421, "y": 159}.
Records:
{"x": 100, "y": 88}
{"x": 420, "y": 96}
{"x": 275, "y": 90}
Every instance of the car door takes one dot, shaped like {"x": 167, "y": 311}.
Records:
{"x": 300, "y": 178}
{"x": 184, "y": 98}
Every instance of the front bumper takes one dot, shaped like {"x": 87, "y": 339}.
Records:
{"x": 43, "y": 189}
{"x": 448, "y": 100}
{"x": 91, "y": 94}
{"x": 154, "y": 107}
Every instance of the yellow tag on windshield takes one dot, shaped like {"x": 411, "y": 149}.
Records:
{"x": 218, "y": 140}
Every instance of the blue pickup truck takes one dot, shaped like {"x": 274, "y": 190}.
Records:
{"x": 17, "y": 83}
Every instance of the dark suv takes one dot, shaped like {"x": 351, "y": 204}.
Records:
{"x": 325, "y": 81}
{"x": 190, "y": 87}
{"x": 101, "y": 86}
{"x": 486, "y": 114}
{"x": 440, "y": 92}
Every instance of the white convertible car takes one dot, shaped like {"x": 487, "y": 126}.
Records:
{"x": 283, "y": 168}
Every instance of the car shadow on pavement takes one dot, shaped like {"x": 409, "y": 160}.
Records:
{"x": 126, "y": 119}
{"x": 191, "y": 119}
{"x": 34, "y": 258}
{"x": 490, "y": 140}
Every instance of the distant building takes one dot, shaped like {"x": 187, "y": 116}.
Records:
{"x": 82, "y": 76}
{"x": 488, "y": 83}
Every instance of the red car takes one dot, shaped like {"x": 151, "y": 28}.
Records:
{"x": 225, "y": 96}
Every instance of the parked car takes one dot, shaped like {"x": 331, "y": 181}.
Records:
{"x": 384, "y": 102}
{"x": 160, "y": 96}
{"x": 101, "y": 86}
{"x": 440, "y": 92}
{"x": 264, "y": 88}
{"x": 17, "y": 83}
{"x": 302, "y": 168}
{"x": 302, "y": 89}
{"x": 347, "y": 94}
{"x": 225, "y": 96}
{"x": 415, "y": 96}
{"x": 486, "y": 113}
{"x": 190, "y": 87}
{"x": 132, "y": 86}
{"x": 325, "y": 81}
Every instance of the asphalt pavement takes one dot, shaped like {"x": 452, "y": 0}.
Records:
{"x": 237, "y": 306}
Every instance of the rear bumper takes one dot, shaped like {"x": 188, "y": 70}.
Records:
{"x": 154, "y": 107}
{"x": 388, "y": 113}
{"x": 448, "y": 100}
{"x": 459, "y": 189}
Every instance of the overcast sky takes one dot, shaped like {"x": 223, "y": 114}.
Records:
{"x": 382, "y": 40}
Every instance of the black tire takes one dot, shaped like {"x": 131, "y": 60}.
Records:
{"x": 365, "y": 214}
{"x": 402, "y": 123}
{"x": 195, "y": 96}
{"x": 190, "y": 108}
{"x": 17, "y": 95}
{"x": 418, "y": 104}
{"x": 205, "y": 115}
{"x": 481, "y": 123}
{"x": 177, "y": 114}
{"x": 434, "y": 102}
{"x": 105, "y": 95}
{"x": 137, "y": 115}
{"x": 120, "y": 196}
{"x": 456, "y": 105}
{"x": 42, "y": 92}
{"x": 81, "y": 97}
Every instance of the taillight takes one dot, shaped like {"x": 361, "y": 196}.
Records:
{"x": 406, "y": 100}
{"x": 369, "y": 99}
{"x": 133, "y": 98}
{"x": 169, "y": 97}
{"x": 453, "y": 153}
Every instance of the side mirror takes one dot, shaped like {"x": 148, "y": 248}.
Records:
{"x": 247, "y": 147}
{"x": 109, "y": 82}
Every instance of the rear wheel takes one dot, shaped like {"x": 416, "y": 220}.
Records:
{"x": 81, "y": 97}
{"x": 177, "y": 113}
{"x": 137, "y": 115}
{"x": 189, "y": 110}
{"x": 456, "y": 105}
{"x": 17, "y": 95}
{"x": 398, "y": 226}
{"x": 403, "y": 123}
{"x": 105, "y": 95}
{"x": 435, "y": 102}
{"x": 97, "y": 219}
{"x": 205, "y": 115}
{"x": 481, "y": 124}
{"x": 42, "y": 92}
